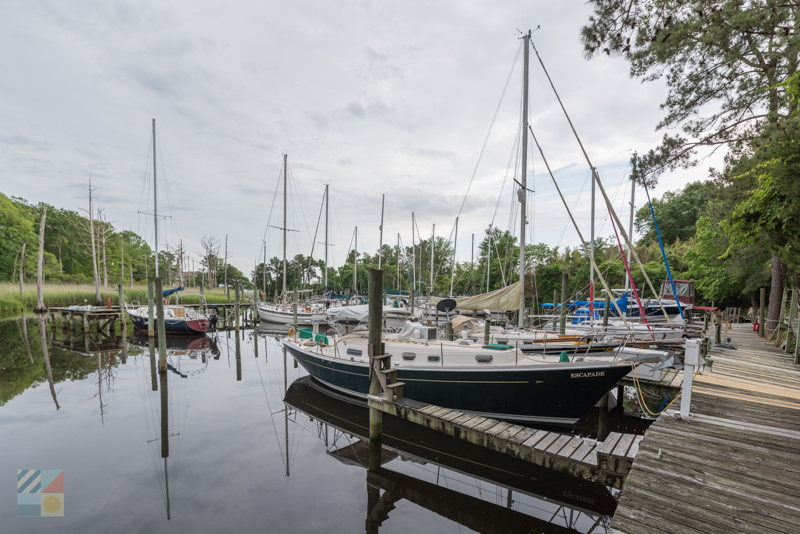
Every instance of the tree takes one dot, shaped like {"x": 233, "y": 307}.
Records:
{"x": 676, "y": 212}
{"x": 730, "y": 57}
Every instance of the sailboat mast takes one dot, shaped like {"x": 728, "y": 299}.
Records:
{"x": 155, "y": 194}
{"x": 413, "y": 256}
{"x": 489, "y": 259}
{"x": 355, "y": 265}
{"x": 633, "y": 211}
{"x": 523, "y": 181}
{"x": 433, "y": 249}
{"x": 591, "y": 265}
{"x": 284, "y": 227}
{"x": 453, "y": 266}
{"x": 398, "y": 264}
{"x": 326, "y": 237}
{"x": 380, "y": 245}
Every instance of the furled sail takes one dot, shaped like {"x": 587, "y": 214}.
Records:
{"x": 505, "y": 298}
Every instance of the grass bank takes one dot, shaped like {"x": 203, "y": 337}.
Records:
{"x": 56, "y": 295}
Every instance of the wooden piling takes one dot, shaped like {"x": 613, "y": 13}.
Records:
{"x": 122, "y": 310}
{"x": 487, "y": 325}
{"x": 162, "y": 336}
{"x": 375, "y": 348}
{"x": 150, "y": 325}
{"x": 294, "y": 309}
{"x": 448, "y": 328}
{"x": 790, "y": 334}
{"x": 762, "y": 305}
{"x": 562, "y": 328}
{"x": 236, "y": 309}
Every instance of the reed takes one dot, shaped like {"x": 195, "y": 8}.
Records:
{"x": 78, "y": 294}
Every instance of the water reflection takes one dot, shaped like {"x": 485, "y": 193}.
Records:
{"x": 480, "y": 489}
{"x": 210, "y": 446}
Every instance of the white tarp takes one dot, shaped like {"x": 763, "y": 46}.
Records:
{"x": 506, "y": 298}
{"x": 359, "y": 313}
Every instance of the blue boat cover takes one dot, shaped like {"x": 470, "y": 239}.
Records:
{"x": 168, "y": 292}
{"x": 622, "y": 303}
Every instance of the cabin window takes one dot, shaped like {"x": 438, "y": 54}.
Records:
{"x": 502, "y": 341}
{"x": 356, "y": 352}
{"x": 409, "y": 355}
{"x": 483, "y": 358}
{"x": 433, "y": 358}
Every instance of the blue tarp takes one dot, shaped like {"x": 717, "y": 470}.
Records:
{"x": 168, "y": 292}
{"x": 622, "y": 303}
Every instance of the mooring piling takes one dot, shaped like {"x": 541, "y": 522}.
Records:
{"x": 762, "y": 305}
{"x": 162, "y": 336}
{"x": 150, "y": 325}
{"x": 375, "y": 348}
{"x": 562, "y": 328}
{"x": 236, "y": 310}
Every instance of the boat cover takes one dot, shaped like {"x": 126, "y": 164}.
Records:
{"x": 505, "y": 298}
{"x": 358, "y": 313}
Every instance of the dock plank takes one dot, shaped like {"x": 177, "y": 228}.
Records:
{"x": 734, "y": 466}
{"x": 546, "y": 441}
{"x": 558, "y": 444}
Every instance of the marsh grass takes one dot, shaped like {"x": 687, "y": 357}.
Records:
{"x": 57, "y": 295}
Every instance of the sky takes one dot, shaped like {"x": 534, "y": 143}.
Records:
{"x": 373, "y": 98}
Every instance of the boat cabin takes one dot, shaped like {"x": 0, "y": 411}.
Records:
{"x": 684, "y": 288}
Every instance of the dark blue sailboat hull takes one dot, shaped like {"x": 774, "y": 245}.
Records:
{"x": 548, "y": 393}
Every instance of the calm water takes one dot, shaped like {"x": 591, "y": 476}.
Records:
{"x": 253, "y": 444}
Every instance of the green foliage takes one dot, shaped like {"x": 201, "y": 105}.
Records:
{"x": 676, "y": 213}
{"x": 727, "y": 57}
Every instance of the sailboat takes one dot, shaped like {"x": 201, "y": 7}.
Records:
{"x": 178, "y": 319}
{"x": 284, "y": 313}
{"x": 496, "y": 381}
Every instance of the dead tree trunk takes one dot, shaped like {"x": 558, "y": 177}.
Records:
{"x": 40, "y": 307}
{"x": 98, "y": 300}
{"x": 21, "y": 274}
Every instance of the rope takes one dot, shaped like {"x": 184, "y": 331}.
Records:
{"x": 583, "y": 242}
{"x": 663, "y": 253}
{"x": 600, "y": 185}
{"x": 642, "y": 311}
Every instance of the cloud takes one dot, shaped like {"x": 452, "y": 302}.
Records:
{"x": 393, "y": 99}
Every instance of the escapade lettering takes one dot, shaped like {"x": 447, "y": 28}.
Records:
{"x": 587, "y": 375}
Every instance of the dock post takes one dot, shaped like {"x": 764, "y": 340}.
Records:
{"x": 375, "y": 348}
{"x": 705, "y": 323}
{"x": 717, "y": 334}
{"x": 254, "y": 311}
{"x": 605, "y": 311}
{"x": 238, "y": 355}
{"x": 761, "y": 307}
{"x": 162, "y": 335}
{"x": 487, "y": 325}
{"x": 448, "y": 328}
{"x": 150, "y": 324}
{"x": 562, "y": 328}
{"x": 693, "y": 359}
{"x": 122, "y": 310}
{"x": 294, "y": 308}
{"x": 236, "y": 309}
{"x": 792, "y": 312}
{"x": 154, "y": 381}
{"x": 202, "y": 299}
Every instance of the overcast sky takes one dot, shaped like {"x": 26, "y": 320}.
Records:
{"x": 369, "y": 97}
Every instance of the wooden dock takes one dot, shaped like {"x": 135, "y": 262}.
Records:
{"x": 734, "y": 466}
{"x": 87, "y": 318}
{"x": 606, "y": 462}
